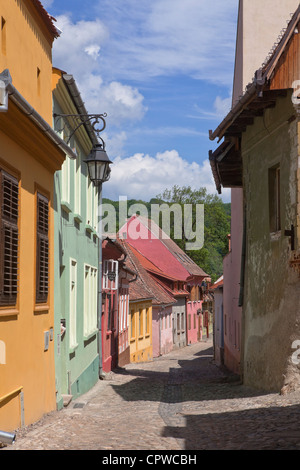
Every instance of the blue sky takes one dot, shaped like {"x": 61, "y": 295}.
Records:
{"x": 162, "y": 70}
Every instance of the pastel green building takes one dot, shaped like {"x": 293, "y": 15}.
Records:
{"x": 76, "y": 252}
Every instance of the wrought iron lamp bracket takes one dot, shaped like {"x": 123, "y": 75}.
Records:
{"x": 96, "y": 121}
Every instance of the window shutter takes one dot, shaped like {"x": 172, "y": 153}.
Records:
{"x": 9, "y": 204}
{"x": 42, "y": 255}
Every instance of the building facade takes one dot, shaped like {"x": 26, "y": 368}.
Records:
{"x": 30, "y": 154}
{"x": 76, "y": 251}
{"x": 258, "y": 27}
{"x": 264, "y": 127}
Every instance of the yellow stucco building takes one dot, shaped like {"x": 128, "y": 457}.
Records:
{"x": 30, "y": 153}
{"x": 140, "y": 330}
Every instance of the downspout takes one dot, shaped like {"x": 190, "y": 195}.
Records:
{"x": 241, "y": 296}
{"x": 243, "y": 263}
{"x": 99, "y": 300}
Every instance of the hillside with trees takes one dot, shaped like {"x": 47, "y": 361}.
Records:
{"x": 216, "y": 224}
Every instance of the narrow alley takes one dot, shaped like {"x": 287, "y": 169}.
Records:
{"x": 181, "y": 401}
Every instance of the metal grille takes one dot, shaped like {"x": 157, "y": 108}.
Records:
{"x": 9, "y": 239}
{"x": 42, "y": 259}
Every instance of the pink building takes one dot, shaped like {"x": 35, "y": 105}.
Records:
{"x": 162, "y": 300}
{"x": 115, "y": 303}
{"x": 175, "y": 272}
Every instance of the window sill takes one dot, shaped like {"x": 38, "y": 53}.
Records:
{"x": 43, "y": 308}
{"x": 78, "y": 218}
{"x": 7, "y": 312}
{"x": 73, "y": 348}
{"x": 88, "y": 336}
{"x": 89, "y": 229}
{"x": 66, "y": 206}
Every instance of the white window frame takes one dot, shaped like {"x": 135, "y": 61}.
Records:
{"x": 77, "y": 182}
{"x": 90, "y": 299}
{"x": 73, "y": 304}
{"x": 110, "y": 266}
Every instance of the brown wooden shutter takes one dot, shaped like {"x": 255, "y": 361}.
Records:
{"x": 42, "y": 255}
{"x": 9, "y": 204}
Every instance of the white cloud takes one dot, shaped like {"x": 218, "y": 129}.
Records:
{"x": 222, "y": 105}
{"x": 163, "y": 37}
{"x": 47, "y": 3}
{"x": 143, "y": 176}
{"x": 93, "y": 51}
{"x": 78, "y": 52}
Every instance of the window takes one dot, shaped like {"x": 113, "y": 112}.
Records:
{"x": 65, "y": 181}
{"x": 3, "y": 35}
{"x": 42, "y": 249}
{"x": 274, "y": 199}
{"x": 38, "y": 78}
{"x": 77, "y": 180}
{"x": 132, "y": 324}
{"x": 90, "y": 299}
{"x": 182, "y": 322}
{"x": 141, "y": 322}
{"x": 110, "y": 274}
{"x": 148, "y": 321}
{"x": 9, "y": 200}
{"x": 73, "y": 303}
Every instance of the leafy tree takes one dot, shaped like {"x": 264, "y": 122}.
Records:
{"x": 216, "y": 226}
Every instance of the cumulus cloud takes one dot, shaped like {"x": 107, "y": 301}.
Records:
{"x": 143, "y": 176}
{"x": 78, "y": 52}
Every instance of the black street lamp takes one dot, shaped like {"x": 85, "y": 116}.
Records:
{"x": 98, "y": 164}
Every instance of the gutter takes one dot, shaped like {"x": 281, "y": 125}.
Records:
{"x": 248, "y": 96}
{"x": 9, "y": 91}
{"x": 71, "y": 84}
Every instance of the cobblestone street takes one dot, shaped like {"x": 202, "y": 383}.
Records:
{"x": 180, "y": 401}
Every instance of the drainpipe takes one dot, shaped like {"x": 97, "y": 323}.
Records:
{"x": 243, "y": 261}
{"x": 99, "y": 300}
{"x": 7, "y": 437}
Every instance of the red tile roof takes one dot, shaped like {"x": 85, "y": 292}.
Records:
{"x": 48, "y": 19}
{"x": 162, "y": 251}
{"x": 145, "y": 286}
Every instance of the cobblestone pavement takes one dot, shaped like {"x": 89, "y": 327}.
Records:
{"x": 178, "y": 402}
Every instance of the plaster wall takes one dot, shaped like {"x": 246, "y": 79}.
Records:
{"x": 257, "y": 31}
{"x": 26, "y": 50}
{"x": 256, "y": 34}
{"x": 272, "y": 288}
{"x": 162, "y": 330}
{"x": 218, "y": 326}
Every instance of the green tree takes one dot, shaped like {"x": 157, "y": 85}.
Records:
{"x": 216, "y": 226}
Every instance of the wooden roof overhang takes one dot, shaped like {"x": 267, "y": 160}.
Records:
{"x": 271, "y": 81}
{"x": 226, "y": 160}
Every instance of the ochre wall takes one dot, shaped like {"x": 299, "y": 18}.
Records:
{"x": 25, "y": 47}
